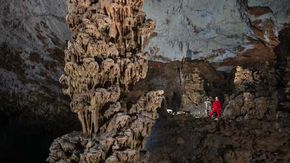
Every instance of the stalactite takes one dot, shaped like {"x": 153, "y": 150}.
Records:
{"x": 105, "y": 57}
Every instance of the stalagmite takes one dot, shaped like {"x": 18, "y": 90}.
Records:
{"x": 102, "y": 60}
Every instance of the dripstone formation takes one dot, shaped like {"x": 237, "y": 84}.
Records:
{"x": 254, "y": 95}
{"x": 103, "y": 60}
{"x": 194, "y": 95}
{"x": 193, "y": 89}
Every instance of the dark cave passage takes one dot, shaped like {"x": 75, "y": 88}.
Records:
{"x": 26, "y": 138}
{"x": 283, "y": 70}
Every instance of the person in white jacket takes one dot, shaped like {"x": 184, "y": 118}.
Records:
{"x": 208, "y": 105}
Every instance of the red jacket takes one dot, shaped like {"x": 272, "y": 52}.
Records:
{"x": 216, "y": 105}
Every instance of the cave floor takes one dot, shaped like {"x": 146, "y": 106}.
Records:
{"x": 185, "y": 139}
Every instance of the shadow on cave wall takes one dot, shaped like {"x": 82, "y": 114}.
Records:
{"x": 26, "y": 136}
{"x": 30, "y": 121}
{"x": 283, "y": 52}
{"x": 283, "y": 77}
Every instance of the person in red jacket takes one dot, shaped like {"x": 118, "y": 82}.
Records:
{"x": 216, "y": 108}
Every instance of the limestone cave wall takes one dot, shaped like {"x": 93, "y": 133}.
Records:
{"x": 33, "y": 35}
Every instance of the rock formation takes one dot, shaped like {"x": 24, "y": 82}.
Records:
{"x": 193, "y": 89}
{"x": 193, "y": 94}
{"x": 103, "y": 60}
{"x": 33, "y": 34}
{"x": 35, "y": 61}
{"x": 254, "y": 95}
{"x": 205, "y": 140}
{"x": 242, "y": 77}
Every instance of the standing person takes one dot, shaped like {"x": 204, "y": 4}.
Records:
{"x": 216, "y": 108}
{"x": 208, "y": 105}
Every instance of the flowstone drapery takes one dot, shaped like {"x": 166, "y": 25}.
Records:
{"x": 103, "y": 60}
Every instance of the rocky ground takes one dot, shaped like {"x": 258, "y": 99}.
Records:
{"x": 186, "y": 139}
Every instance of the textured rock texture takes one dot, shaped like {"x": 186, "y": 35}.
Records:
{"x": 216, "y": 29}
{"x": 105, "y": 56}
{"x": 187, "y": 83}
{"x": 254, "y": 95}
{"x": 193, "y": 89}
{"x": 120, "y": 139}
{"x": 34, "y": 32}
{"x": 253, "y": 127}
{"x": 102, "y": 60}
{"x": 184, "y": 139}
{"x": 33, "y": 24}
{"x": 200, "y": 28}
{"x": 32, "y": 37}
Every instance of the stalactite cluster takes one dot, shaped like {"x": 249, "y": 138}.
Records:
{"x": 104, "y": 59}
{"x": 105, "y": 55}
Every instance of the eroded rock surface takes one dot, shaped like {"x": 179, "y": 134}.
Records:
{"x": 104, "y": 59}
{"x": 255, "y": 93}
{"x": 193, "y": 89}
{"x": 217, "y": 30}
{"x": 120, "y": 139}
{"x": 35, "y": 33}
{"x": 204, "y": 140}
